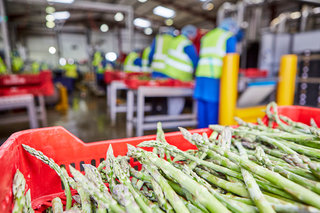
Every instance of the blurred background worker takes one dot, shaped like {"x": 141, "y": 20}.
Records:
{"x": 3, "y": 68}
{"x": 132, "y": 63}
{"x": 159, "y": 50}
{"x": 182, "y": 57}
{"x": 35, "y": 67}
{"x": 145, "y": 64}
{"x": 214, "y": 45}
{"x": 17, "y": 62}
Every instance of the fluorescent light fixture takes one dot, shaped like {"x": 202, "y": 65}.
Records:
{"x": 142, "y": 1}
{"x": 61, "y": 15}
{"x": 52, "y": 50}
{"x": 295, "y": 15}
{"x": 50, "y": 17}
{"x": 164, "y": 12}
{"x": 50, "y": 24}
{"x": 148, "y": 31}
{"x": 208, "y": 6}
{"x": 50, "y": 9}
{"x": 70, "y": 61}
{"x": 104, "y": 28}
{"x": 316, "y": 10}
{"x": 140, "y": 22}
{"x": 62, "y": 61}
{"x": 111, "y": 56}
{"x": 118, "y": 16}
{"x": 168, "y": 22}
{"x": 61, "y": 1}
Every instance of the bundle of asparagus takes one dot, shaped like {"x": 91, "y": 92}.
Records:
{"x": 251, "y": 168}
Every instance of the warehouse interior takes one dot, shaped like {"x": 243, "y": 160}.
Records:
{"x": 165, "y": 106}
{"x": 38, "y": 35}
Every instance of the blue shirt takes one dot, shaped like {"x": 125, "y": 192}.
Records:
{"x": 208, "y": 89}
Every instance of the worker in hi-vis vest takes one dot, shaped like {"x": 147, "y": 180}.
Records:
{"x": 214, "y": 46}
{"x": 3, "y": 67}
{"x": 145, "y": 60}
{"x": 159, "y": 50}
{"x": 129, "y": 64}
{"x": 182, "y": 57}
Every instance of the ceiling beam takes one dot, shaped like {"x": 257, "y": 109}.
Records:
{"x": 187, "y": 9}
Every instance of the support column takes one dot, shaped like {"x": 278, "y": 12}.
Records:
{"x": 5, "y": 36}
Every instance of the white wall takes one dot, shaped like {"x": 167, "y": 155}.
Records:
{"x": 37, "y": 49}
{"x": 75, "y": 45}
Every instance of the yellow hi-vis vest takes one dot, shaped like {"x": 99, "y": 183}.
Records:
{"x": 145, "y": 60}
{"x": 160, "y": 53}
{"x": 35, "y": 67}
{"x": 3, "y": 68}
{"x": 129, "y": 65}
{"x": 97, "y": 62}
{"x": 71, "y": 70}
{"x": 213, "y": 49}
{"x": 178, "y": 64}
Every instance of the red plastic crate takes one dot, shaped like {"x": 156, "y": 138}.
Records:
{"x": 254, "y": 73}
{"x": 39, "y": 84}
{"x": 110, "y": 76}
{"x": 60, "y": 145}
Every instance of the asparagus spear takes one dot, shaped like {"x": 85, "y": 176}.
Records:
{"x": 125, "y": 198}
{"x": 124, "y": 179}
{"x": 200, "y": 192}
{"x": 296, "y": 190}
{"x": 18, "y": 189}
{"x": 84, "y": 196}
{"x": 253, "y": 188}
{"x": 104, "y": 198}
{"x": 56, "y": 168}
{"x": 168, "y": 192}
{"x": 28, "y": 208}
{"x": 57, "y": 206}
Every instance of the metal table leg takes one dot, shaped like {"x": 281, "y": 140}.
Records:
{"x": 113, "y": 103}
{"x": 43, "y": 113}
{"x": 140, "y": 112}
{"x": 130, "y": 112}
{"x": 108, "y": 92}
{"x": 32, "y": 115}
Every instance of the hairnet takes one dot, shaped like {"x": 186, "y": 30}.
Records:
{"x": 166, "y": 30}
{"x": 230, "y": 25}
{"x": 190, "y": 31}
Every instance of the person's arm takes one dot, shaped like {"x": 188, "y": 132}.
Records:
{"x": 152, "y": 49}
{"x": 191, "y": 51}
{"x": 231, "y": 44}
{"x": 138, "y": 62}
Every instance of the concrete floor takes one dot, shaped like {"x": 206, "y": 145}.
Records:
{"x": 86, "y": 119}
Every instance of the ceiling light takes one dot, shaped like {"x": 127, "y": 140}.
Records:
{"x": 50, "y": 9}
{"x": 50, "y": 17}
{"x": 164, "y": 12}
{"x": 142, "y": 1}
{"x": 62, "y": 61}
{"x": 148, "y": 31}
{"x": 168, "y": 22}
{"x": 316, "y": 10}
{"x": 70, "y": 61}
{"x": 111, "y": 56}
{"x": 104, "y": 28}
{"x": 295, "y": 15}
{"x": 52, "y": 50}
{"x": 118, "y": 16}
{"x": 208, "y": 5}
{"x": 61, "y": 1}
{"x": 140, "y": 22}
{"x": 50, "y": 24}
{"x": 61, "y": 15}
